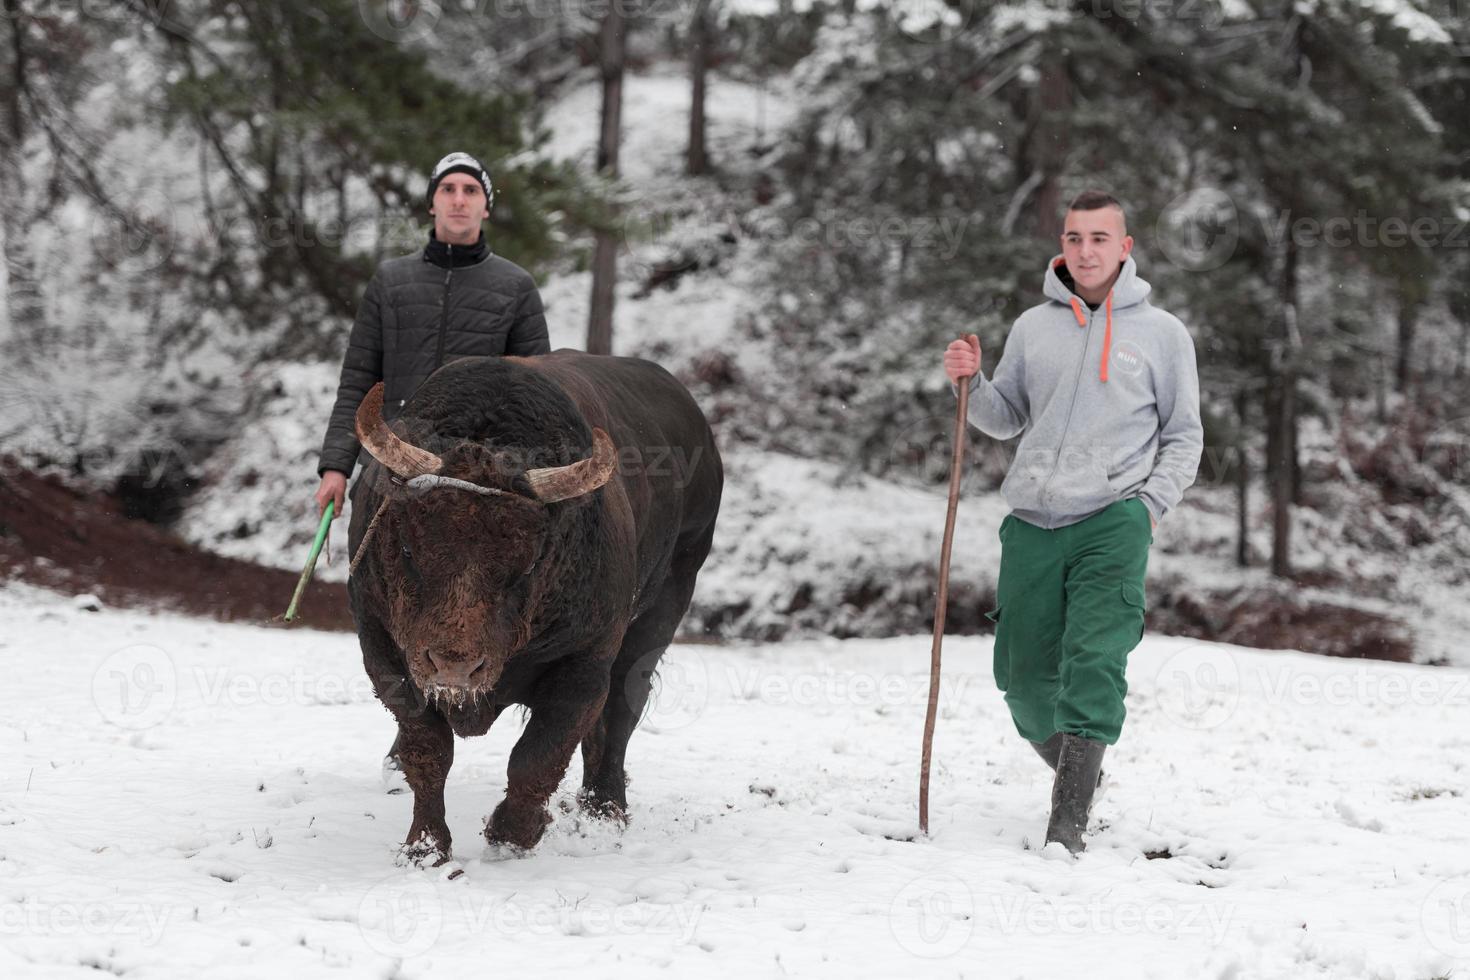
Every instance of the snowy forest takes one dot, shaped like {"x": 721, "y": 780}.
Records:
{"x": 197, "y": 193}
{"x": 793, "y": 206}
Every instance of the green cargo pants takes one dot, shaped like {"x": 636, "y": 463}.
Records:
{"x": 1069, "y": 609}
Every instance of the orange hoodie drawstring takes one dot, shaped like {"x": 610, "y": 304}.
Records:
{"x": 1102, "y": 371}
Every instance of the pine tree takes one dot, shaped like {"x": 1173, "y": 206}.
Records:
{"x": 307, "y": 109}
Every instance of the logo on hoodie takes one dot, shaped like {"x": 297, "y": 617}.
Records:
{"x": 1127, "y": 358}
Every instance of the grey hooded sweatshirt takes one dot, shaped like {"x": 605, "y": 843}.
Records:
{"x": 1106, "y": 402}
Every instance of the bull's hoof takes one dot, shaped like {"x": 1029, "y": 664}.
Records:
{"x": 603, "y": 808}
{"x": 518, "y": 826}
{"x": 425, "y": 849}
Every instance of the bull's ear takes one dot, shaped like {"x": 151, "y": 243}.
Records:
{"x": 385, "y": 445}
{"x": 555, "y": 483}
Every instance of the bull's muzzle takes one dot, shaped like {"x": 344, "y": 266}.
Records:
{"x": 452, "y": 672}
{"x": 458, "y": 680}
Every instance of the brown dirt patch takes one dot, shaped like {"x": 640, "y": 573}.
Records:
{"x": 55, "y": 536}
{"x": 1275, "y": 619}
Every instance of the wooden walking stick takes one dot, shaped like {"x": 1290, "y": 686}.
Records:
{"x": 961, "y": 412}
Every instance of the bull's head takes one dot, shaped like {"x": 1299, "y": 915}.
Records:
{"x": 457, "y": 543}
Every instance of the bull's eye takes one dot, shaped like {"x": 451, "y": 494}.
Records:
{"x": 414, "y": 577}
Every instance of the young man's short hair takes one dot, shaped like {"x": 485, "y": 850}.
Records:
{"x": 1092, "y": 200}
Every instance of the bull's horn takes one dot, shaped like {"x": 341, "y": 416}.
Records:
{"x": 562, "y": 482}
{"x": 403, "y": 458}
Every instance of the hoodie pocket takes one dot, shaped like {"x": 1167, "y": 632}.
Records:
{"x": 1086, "y": 488}
{"x": 1076, "y": 484}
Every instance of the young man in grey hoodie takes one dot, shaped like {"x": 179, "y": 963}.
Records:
{"x": 1103, "y": 389}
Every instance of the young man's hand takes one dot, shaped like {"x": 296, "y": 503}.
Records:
{"x": 962, "y": 359}
{"x": 333, "y": 488}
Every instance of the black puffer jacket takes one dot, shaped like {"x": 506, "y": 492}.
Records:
{"x": 420, "y": 312}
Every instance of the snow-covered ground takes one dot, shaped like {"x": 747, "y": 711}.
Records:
{"x": 185, "y": 799}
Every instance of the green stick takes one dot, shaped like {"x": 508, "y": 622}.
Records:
{"x": 316, "y": 549}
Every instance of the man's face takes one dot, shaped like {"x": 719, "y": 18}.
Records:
{"x": 459, "y": 207}
{"x": 1095, "y": 243}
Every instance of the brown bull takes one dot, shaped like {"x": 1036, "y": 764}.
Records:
{"x": 528, "y": 532}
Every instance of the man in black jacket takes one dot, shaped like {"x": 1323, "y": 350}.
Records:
{"x": 454, "y": 299}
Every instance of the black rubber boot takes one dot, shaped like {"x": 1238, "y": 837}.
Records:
{"x": 1079, "y": 763}
{"x": 1049, "y": 750}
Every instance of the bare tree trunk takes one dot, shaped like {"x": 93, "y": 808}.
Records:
{"x": 1048, "y": 150}
{"x": 1242, "y": 479}
{"x": 1464, "y": 347}
{"x": 611, "y": 46}
{"x": 1408, "y": 320}
{"x": 1281, "y": 418}
{"x": 604, "y": 273}
{"x": 1281, "y": 404}
{"x": 1294, "y": 419}
{"x": 697, "y": 163}
{"x": 1380, "y": 387}
{"x": 24, "y": 308}
{"x": 1459, "y": 304}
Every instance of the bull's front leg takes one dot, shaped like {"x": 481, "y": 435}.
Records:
{"x": 566, "y": 703}
{"x": 426, "y": 749}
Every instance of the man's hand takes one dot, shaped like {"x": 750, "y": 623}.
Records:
{"x": 333, "y": 488}
{"x": 962, "y": 359}
{"x": 1153, "y": 524}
